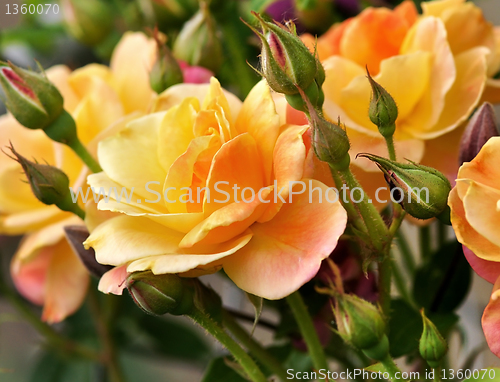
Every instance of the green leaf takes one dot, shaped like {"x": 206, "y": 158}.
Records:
{"x": 406, "y": 329}
{"x": 306, "y": 5}
{"x": 442, "y": 284}
{"x": 257, "y": 303}
{"x": 490, "y": 374}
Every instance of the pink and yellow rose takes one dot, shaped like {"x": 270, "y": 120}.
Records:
{"x": 203, "y": 138}
{"x": 475, "y": 217}
{"x": 100, "y": 99}
{"x": 436, "y": 66}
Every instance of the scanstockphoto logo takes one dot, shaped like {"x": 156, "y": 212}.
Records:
{"x": 265, "y": 195}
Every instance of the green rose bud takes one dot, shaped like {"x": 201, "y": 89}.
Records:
{"x": 31, "y": 98}
{"x": 422, "y": 191}
{"x": 166, "y": 70}
{"x": 286, "y": 62}
{"x": 383, "y": 110}
{"x": 161, "y": 294}
{"x": 49, "y": 184}
{"x": 330, "y": 142}
{"x": 432, "y": 346}
{"x": 88, "y": 21}
{"x": 360, "y": 324}
{"x": 198, "y": 42}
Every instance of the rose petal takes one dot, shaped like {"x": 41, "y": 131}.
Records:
{"x": 113, "y": 281}
{"x": 490, "y": 321}
{"x": 287, "y": 251}
{"x": 488, "y": 270}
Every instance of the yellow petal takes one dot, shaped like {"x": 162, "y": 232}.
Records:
{"x": 436, "y": 8}
{"x": 130, "y": 158}
{"x": 193, "y": 258}
{"x": 464, "y": 94}
{"x": 60, "y": 75}
{"x": 339, "y": 74}
{"x": 484, "y": 168}
{"x": 429, "y": 35}
{"x": 258, "y": 117}
{"x": 132, "y": 60}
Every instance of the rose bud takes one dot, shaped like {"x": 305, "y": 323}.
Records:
{"x": 481, "y": 127}
{"x": 287, "y": 64}
{"x": 383, "y": 110}
{"x": 198, "y": 42}
{"x": 49, "y": 184}
{"x": 412, "y": 180}
{"x": 161, "y": 294}
{"x": 166, "y": 70}
{"x": 31, "y": 98}
{"x": 432, "y": 346}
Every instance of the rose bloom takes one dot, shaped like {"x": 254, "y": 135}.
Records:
{"x": 436, "y": 66}
{"x": 475, "y": 217}
{"x": 201, "y": 136}
{"x": 101, "y": 100}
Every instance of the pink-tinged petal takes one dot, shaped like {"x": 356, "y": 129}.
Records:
{"x": 480, "y": 205}
{"x": 289, "y": 162}
{"x": 287, "y": 251}
{"x": 491, "y": 320}
{"x": 204, "y": 258}
{"x": 195, "y": 74}
{"x": 237, "y": 163}
{"x": 484, "y": 168}
{"x": 29, "y": 277}
{"x": 258, "y": 117}
{"x": 488, "y": 270}
{"x": 467, "y": 235}
{"x": 66, "y": 285}
{"x": 132, "y": 60}
{"x": 113, "y": 281}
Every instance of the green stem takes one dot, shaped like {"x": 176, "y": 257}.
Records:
{"x": 406, "y": 253}
{"x": 377, "y": 230}
{"x": 307, "y": 330}
{"x": 256, "y": 349}
{"x": 391, "y": 148}
{"x": 384, "y": 286}
{"x": 225, "y": 339}
{"x": 54, "y": 339}
{"x": 84, "y": 155}
{"x": 425, "y": 241}
{"x": 68, "y": 205}
{"x": 391, "y": 368}
{"x": 437, "y": 374}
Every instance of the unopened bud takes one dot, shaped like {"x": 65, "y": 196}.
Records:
{"x": 161, "y": 294}
{"x": 432, "y": 346}
{"x": 166, "y": 70}
{"x": 361, "y": 324}
{"x": 49, "y": 184}
{"x": 31, "y": 98}
{"x": 481, "y": 127}
{"x": 198, "y": 42}
{"x": 88, "y": 21}
{"x": 422, "y": 191}
{"x": 287, "y": 64}
{"x": 330, "y": 141}
{"x": 383, "y": 110}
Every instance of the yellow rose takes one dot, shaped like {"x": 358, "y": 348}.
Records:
{"x": 206, "y": 144}
{"x": 475, "y": 217}
{"x": 101, "y": 100}
{"x": 435, "y": 66}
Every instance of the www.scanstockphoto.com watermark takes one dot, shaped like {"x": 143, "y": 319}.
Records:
{"x": 248, "y": 194}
